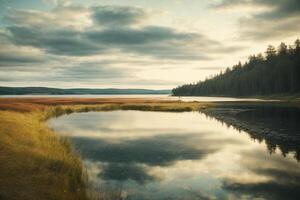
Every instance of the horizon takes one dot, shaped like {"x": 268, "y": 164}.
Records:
{"x": 70, "y": 88}
{"x": 135, "y": 45}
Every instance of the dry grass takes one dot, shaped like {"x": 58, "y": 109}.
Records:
{"x": 35, "y": 163}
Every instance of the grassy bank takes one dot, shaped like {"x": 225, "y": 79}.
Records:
{"x": 35, "y": 162}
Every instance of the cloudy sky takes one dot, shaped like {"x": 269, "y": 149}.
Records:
{"x": 135, "y": 43}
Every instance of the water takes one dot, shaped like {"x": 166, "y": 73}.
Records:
{"x": 144, "y": 96}
{"x": 156, "y": 155}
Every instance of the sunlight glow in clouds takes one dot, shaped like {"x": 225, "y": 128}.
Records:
{"x": 157, "y": 44}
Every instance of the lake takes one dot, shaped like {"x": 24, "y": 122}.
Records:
{"x": 143, "y": 96}
{"x": 191, "y": 155}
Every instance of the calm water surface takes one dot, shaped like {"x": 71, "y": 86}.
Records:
{"x": 147, "y": 96}
{"x": 156, "y": 155}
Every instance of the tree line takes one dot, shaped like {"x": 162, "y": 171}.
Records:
{"x": 278, "y": 72}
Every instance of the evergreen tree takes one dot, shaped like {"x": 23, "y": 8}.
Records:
{"x": 278, "y": 72}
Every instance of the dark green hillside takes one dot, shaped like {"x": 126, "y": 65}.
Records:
{"x": 78, "y": 91}
{"x": 278, "y": 72}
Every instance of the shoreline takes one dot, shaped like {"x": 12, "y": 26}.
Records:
{"x": 41, "y": 165}
{"x": 260, "y": 124}
{"x": 40, "y": 159}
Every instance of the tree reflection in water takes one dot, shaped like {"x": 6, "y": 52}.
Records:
{"x": 277, "y": 126}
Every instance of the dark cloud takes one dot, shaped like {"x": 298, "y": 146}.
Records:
{"x": 129, "y": 36}
{"x": 276, "y": 8}
{"x": 278, "y": 18}
{"x": 117, "y": 15}
{"x": 128, "y": 159}
{"x": 159, "y": 42}
{"x": 123, "y": 172}
{"x": 14, "y": 59}
{"x": 160, "y": 150}
{"x": 280, "y": 177}
{"x": 283, "y": 184}
{"x": 56, "y": 41}
{"x": 279, "y": 9}
{"x": 68, "y": 33}
{"x": 61, "y": 39}
{"x": 153, "y": 41}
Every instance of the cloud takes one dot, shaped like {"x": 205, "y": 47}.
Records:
{"x": 92, "y": 72}
{"x": 11, "y": 56}
{"x": 233, "y": 4}
{"x": 155, "y": 41}
{"x": 153, "y": 151}
{"x": 129, "y": 159}
{"x": 61, "y": 72}
{"x": 148, "y": 34}
{"x": 57, "y": 41}
{"x": 117, "y": 15}
{"x": 45, "y": 30}
{"x": 271, "y": 29}
{"x": 281, "y": 178}
{"x": 278, "y": 18}
{"x": 58, "y": 2}
{"x": 151, "y": 41}
{"x": 266, "y": 190}
{"x": 68, "y": 35}
{"x": 68, "y": 17}
{"x": 123, "y": 172}
{"x": 278, "y": 177}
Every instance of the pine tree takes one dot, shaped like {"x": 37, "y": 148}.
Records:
{"x": 273, "y": 74}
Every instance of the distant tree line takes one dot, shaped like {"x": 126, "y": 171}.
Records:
{"x": 277, "y": 72}
{"x": 75, "y": 91}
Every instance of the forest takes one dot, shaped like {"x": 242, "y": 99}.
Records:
{"x": 75, "y": 91}
{"x": 276, "y": 72}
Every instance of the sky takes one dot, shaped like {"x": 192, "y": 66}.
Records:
{"x": 157, "y": 44}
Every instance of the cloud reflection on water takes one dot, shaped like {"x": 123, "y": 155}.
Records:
{"x": 197, "y": 158}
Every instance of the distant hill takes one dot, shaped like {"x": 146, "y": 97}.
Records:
{"x": 75, "y": 91}
{"x": 276, "y": 73}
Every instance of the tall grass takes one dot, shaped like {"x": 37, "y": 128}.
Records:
{"x": 56, "y": 111}
{"x": 35, "y": 164}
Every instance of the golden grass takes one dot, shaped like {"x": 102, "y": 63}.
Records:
{"x": 35, "y": 162}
